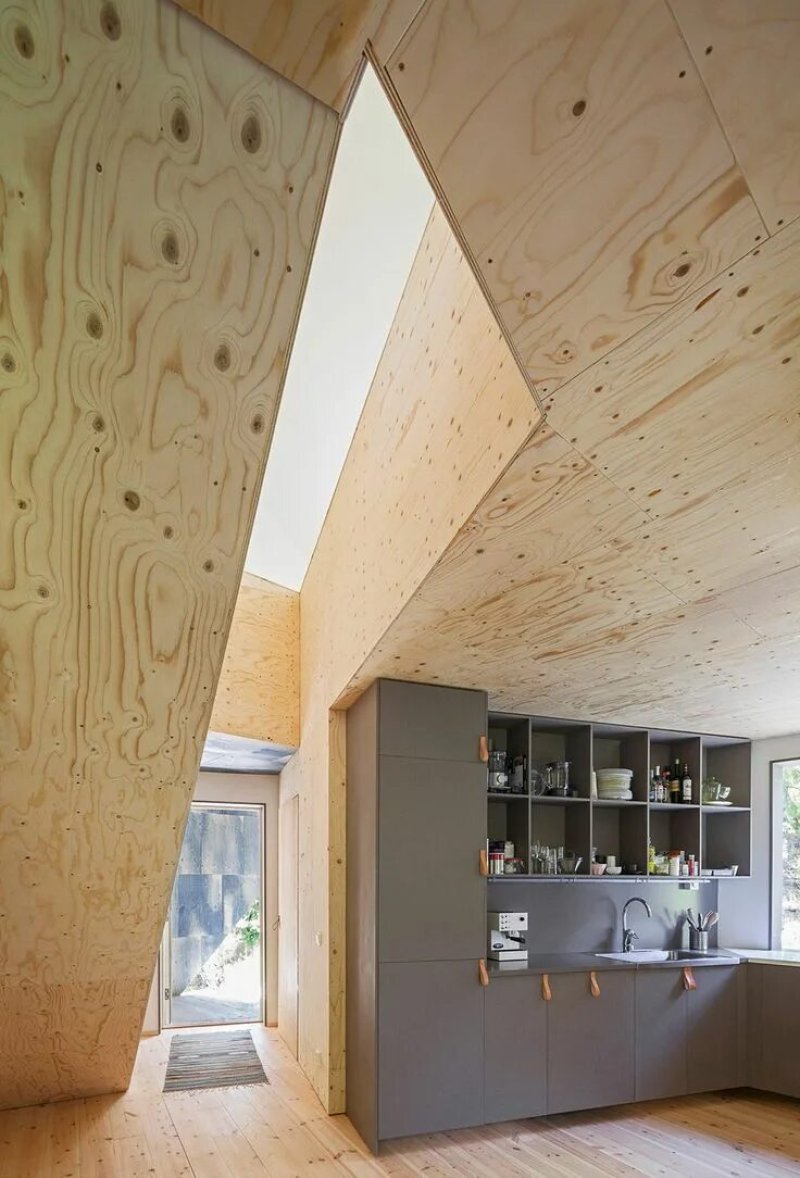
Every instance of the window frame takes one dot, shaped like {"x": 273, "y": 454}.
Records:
{"x": 776, "y": 848}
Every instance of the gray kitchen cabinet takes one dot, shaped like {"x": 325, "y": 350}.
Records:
{"x": 661, "y": 1034}
{"x": 416, "y": 909}
{"x": 433, "y": 723}
{"x": 714, "y": 1040}
{"x": 430, "y": 1047}
{"x": 431, "y": 828}
{"x": 773, "y": 1013}
{"x": 590, "y": 1042}
{"x": 515, "y": 1048}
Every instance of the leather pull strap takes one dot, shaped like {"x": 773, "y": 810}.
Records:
{"x": 483, "y": 750}
{"x": 483, "y": 973}
{"x": 688, "y": 979}
{"x": 483, "y": 861}
{"x": 547, "y": 993}
{"x": 594, "y": 985}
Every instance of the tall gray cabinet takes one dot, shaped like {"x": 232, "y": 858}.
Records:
{"x": 416, "y": 909}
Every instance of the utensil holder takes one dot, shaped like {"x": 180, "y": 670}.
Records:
{"x": 698, "y": 941}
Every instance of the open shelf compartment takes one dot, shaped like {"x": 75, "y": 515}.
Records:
{"x": 563, "y": 740}
{"x": 621, "y": 830}
{"x": 563, "y": 822}
{"x": 615, "y": 747}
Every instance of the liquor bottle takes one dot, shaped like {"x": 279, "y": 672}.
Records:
{"x": 675, "y": 784}
{"x": 686, "y": 786}
{"x": 655, "y": 785}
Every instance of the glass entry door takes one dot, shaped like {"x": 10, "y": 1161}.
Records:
{"x": 212, "y": 959}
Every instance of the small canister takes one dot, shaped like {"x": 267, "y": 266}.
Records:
{"x": 698, "y": 941}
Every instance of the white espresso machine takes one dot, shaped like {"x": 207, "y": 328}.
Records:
{"x": 507, "y": 936}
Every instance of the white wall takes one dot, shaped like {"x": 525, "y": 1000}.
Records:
{"x": 242, "y": 787}
{"x": 744, "y": 904}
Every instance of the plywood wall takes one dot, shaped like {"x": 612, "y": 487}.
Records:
{"x": 317, "y": 44}
{"x": 447, "y": 410}
{"x": 159, "y": 201}
{"x": 258, "y": 693}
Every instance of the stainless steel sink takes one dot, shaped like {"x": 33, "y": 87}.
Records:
{"x": 659, "y": 956}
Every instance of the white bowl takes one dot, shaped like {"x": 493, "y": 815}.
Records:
{"x": 613, "y": 871}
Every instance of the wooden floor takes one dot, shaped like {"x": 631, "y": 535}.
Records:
{"x": 281, "y": 1130}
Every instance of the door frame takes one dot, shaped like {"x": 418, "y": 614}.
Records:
{"x": 165, "y": 961}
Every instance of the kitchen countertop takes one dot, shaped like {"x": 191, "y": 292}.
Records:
{"x": 539, "y": 963}
{"x": 769, "y": 956}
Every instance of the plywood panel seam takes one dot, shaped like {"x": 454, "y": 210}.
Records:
{"x": 717, "y": 116}
{"x": 444, "y": 204}
{"x": 696, "y": 296}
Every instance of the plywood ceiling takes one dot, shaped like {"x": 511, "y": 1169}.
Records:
{"x": 640, "y": 558}
{"x": 317, "y": 44}
{"x": 160, "y": 196}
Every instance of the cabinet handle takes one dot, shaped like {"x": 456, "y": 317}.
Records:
{"x": 483, "y": 861}
{"x": 483, "y": 973}
{"x": 547, "y": 993}
{"x": 594, "y": 985}
{"x": 483, "y": 750}
{"x": 688, "y": 979}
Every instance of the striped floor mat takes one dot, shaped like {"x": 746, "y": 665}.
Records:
{"x": 217, "y": 1059}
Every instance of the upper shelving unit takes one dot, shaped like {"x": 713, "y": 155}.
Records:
{"x": 717, "y": 834}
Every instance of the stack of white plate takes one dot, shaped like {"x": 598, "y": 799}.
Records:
{"x": 614, "y": 785}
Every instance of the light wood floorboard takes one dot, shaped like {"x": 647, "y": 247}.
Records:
{"x": 281, "y": 1131}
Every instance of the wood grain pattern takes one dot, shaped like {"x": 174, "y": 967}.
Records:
{"x": 606, "y": 190}
{"x": 317, "y": 44}
{"x": 446, "y": 412}
{"x": 749, "y": 55}
{"x": 258, "y": 693}
{"x": 639, "y": 560}
{"x": 652, "y": 411}
{"x": 160, "y": 196}
{"x": 282, "y": 1129}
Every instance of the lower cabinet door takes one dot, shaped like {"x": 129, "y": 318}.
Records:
{"x": 661, "y": 1026}
{"x": 430, "y": 1047}
{"x": 715, "y": 1042}
{"x": 590, "y": 1041}
{"x": 515, "y": 1048}
{"x": 773, "y": 1014}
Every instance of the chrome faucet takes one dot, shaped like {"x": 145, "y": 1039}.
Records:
{"x": 628, "y": 934}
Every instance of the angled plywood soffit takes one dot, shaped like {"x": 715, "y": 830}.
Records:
{"x": 639, "y": 560}
{"x": 317, "y": 44}
{"x": 748, "y": 55}
{"x": 583, "y": 167}
{"x": 160, "y": 196}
